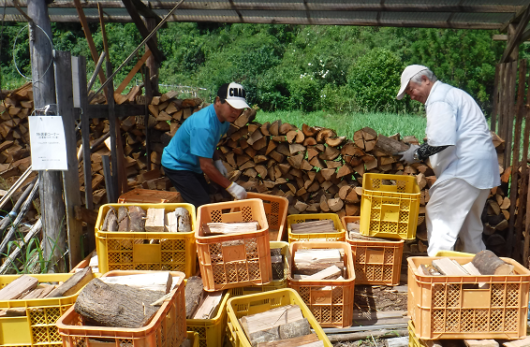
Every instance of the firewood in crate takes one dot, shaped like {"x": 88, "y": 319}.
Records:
{"x": 194, "y": 295}
{"x": 73, "y": 284}
{"x": 277, "y": 324}
{"x": 123, "y": 219}
{"x": 137, "y": 219}
{"x": 487, "y": 263}
{"x": 116, "y": 305}
{"x": 184, "y": 223}
{"x": 18, "y": 287}
{"x": 215, "y": 229}
{"x": 277, "y": 262}
{"x": 155, "y": 220}
{"x": 159, "y": 281}
{"x": 309, "y": 227}
{"x": 111, "y": 220}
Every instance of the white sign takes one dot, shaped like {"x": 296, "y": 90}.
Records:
{"x": 48, "y": 144}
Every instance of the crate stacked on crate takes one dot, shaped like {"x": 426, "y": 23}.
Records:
{"x": 233, "y": 244}
{"x": 134, "y": 308}
{"x": 315, "y": 227}
{"x": 324, "y": 276}
{"x": 389, "y": 216}
{"x": 468, "y": 297}
{"x": 146, "y": 237}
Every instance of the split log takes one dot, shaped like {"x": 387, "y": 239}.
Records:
{"x": 111, "y": 220}
{"x": 116, "y": 305}
{"x": 389, "y": 145}
{"x": 159, "y": 281}
{"x": 137, "y": 216}
{"x": 194, "y": 295}
{"x": 489, "y": 264}
{"x": 155, "y": 221}
{"x": 73, "y": 284}
{"x": 18, "y": 287}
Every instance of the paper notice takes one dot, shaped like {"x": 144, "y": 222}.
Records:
{"x": 48, "y": 144}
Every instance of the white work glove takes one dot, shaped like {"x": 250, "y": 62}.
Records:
{"x": 237, "y": 191}
{"x": 408, "y": 155}
{"x": 222, "y": 169}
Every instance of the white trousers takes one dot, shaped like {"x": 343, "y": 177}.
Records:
{"x": 453, "y": 211}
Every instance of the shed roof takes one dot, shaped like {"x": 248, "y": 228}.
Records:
{"x": 463, "y": 14}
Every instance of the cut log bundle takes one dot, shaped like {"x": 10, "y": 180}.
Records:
{"x": 285, "y": 323}
{"x": 483, "y": 263}
{"x": 156, "y": 220}
{"x": 318, "y": 264}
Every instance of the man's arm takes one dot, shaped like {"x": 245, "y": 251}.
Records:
{"x": 425, "y": 151}
{"x": 208, "y": 167}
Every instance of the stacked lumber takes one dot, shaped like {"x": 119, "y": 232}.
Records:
{"x": 166, "y": 114}
{"x": 319, "y": 264}
{"x": 282, "y": 326}
{"x": 15, "y": 153}
{"x": 26, "y": 287}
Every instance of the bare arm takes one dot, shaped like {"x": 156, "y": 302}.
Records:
{"x": 208, "y": 167}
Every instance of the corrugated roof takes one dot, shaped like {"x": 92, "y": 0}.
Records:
{"x": 467, "y": 14}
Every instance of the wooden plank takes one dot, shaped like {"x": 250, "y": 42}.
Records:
{"x": 512, "y": 233}
{"x": 72, "y": 198}
{"x": 18, "y": 287}
{"x": 160, "y": 281}
{"x": 481, "y": 343}
{"x": 73, "y": 284}
{"x": 90, "y": 40}
{"x": 525, "y": 342}
{"x": 133, "y": 72}
{"x": 80, "y": 81}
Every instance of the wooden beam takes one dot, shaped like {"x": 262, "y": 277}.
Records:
{"x": 50, "y": 190}
{"x": 103, "y": 33}
{"x": 133, "y": 72}
{"x": 515, "y": 162}
{"x": 88, "y": 35}
{"x": 515, "y": 39}
{"x": 515, "y": 19}
{"x": 72, "y": 198}
{"x": 146, "y": 12}
{"x": 499, "y": 37}
{"x": 143, "y": 30}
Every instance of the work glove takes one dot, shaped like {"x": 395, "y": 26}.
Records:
{"x": 237, "y": 191}
{"x": 222, "y": 169}
{"x": 408, "y": 155}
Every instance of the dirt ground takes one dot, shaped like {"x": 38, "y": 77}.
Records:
{"x": 379, "y": 299}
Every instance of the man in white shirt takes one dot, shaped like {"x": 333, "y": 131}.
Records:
{"x": 462, "y": 155}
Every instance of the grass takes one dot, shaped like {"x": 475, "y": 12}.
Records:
{"x": 346, "y": 124}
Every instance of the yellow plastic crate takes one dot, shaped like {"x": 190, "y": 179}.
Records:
{"x": 194, "y": 338}
{"x": 453, "y": 254}
{"x": 390, "y": 206}
{"x": 211, "y": 332}
{"x": 413, "y": 339}
{"x": 132, "y": 250}
{"x": 274, "y": 284}
{"x": 256, "y": 303}
{"x": 340, "y": 235}
{"x": 38, "y": 327}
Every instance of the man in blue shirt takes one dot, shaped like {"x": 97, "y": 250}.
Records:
{"x": 191, "y": 152}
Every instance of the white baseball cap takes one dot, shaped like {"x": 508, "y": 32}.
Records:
{"x": 409, "y": 72}
{"x": 234, "y": 94}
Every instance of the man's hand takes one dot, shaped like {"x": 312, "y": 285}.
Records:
{"x": 237, "y": 191}
{"x": 219, "y": 166}
{"x": 408, "y": 155}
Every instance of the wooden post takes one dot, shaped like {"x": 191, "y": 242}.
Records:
{"x": 510, "y": 111}
{"x": 148, "y": 98}
{"x": 496, "y": 89}
{"x": 52, "y": 205}
{"x": 515, "y": 162}
{"x": 112, "y": 124}
{"x": 72, "y": 198}
{"x": 152, "y": 63}
{"x": 523, "y": 198}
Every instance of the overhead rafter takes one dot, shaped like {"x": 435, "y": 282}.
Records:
{"x": 133, "y": 12}
{"x": 515, "y": 40}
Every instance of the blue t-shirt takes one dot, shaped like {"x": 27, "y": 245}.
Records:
{"x": 197, "y": 137}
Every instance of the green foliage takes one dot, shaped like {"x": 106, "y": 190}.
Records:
{"x": 288, "y": 67}
{"x": 374, "y": 79}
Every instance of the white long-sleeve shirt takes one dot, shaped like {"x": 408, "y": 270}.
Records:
{"x": 454, "y": 119}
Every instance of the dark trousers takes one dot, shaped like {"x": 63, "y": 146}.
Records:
{"x": 192, "y": 186}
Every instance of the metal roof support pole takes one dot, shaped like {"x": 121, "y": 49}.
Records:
{"x": 50, "y": 190}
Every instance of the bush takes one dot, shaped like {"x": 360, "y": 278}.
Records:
{"x": 374, "y": 80}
